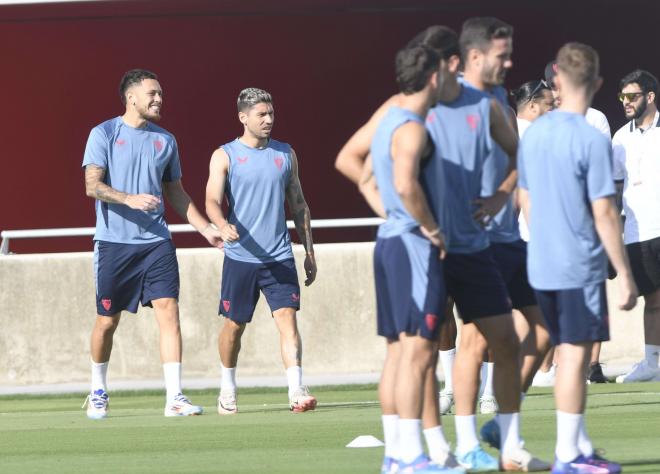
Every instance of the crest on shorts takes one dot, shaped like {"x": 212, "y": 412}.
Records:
{"x": 295, "y": 296}
{"x": 226, "y": 304}
{"x": 279, "y": 161}
{"x": 107, "y": 303}
{"x": 431, "y": 321}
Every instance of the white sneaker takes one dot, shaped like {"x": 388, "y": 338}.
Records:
{"x": 181, "y": 406}
{"x": 640, "y": 372}
{"x": 97, "y": 404}
{"x": 447, "y": 460}
{"x": 545, "y": 379}
{"x": 521, "y": 460}
{"x": 487, "y": 405}
{"x": 227, "y": 402}
{"x": 301, "y": 400}
{"x": 446, "y": 401}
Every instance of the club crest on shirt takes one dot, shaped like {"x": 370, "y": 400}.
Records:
{"x": 158, "y": 145}
{"x": 242, "y": 159}
{"x": 120, "y": 141}
{"x": 279, "y": 161}
{"x": 473, "y": 121}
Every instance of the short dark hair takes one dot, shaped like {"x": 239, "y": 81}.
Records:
{"x": 414, "y": 66}
{"x": 580, "y": 62}
{"x": 132, "y": 77}
{"x": 647, "y": 81}
{"x": 442, "y": 39}
{"x": 252, "y": 96}
{"x": 478, "y": 32}
{"x": 529, "y": 91}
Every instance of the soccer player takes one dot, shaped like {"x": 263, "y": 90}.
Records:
{"x": 567, "y": 193}
{"x": 409, "y": 282}
{"x": 598, "y": 120}
{"x": 351, "y": 162}
{"x": 635, "y": 147}
{"x": 257, "y": 174}
{"x": 131, "y": 164}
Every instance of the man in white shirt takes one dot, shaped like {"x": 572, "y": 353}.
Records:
{"x": 636, "y": 146}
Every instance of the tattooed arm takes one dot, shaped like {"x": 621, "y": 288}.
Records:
{"x": 301, "y": 218}
{"x": 97, "y": 189}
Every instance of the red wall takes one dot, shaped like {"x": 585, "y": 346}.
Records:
{"x": 327, "y": 63}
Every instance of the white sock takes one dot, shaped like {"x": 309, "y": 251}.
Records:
{"x": 436, "y": 442}
{"x": 227, "y": 378}
{"x": 391, "y": 435}
{"x": 466, "y": 433}
{"x": 509, "y": 424}
{"x": 568, "y": 427}
{"x": 294, "y": 377}
{"x": 99, "y": 372}
{"x": 410, "y": 439}
{"x": 447, "y": 363}
{"x": 651, "y": 354}
{"x": 487, "y": 379}
{"x": 172, "y": 372}
{"x": 584, "y": 442}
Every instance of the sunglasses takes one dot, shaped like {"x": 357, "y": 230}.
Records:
{"x": 630, "y": 96}
{"x": 539, "y": 87}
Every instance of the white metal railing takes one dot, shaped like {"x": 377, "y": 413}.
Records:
{"x": 8, "y": 235}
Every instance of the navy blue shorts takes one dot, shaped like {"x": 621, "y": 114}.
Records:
{"x": 511, "y": 259}
{"x": 242, "y": 281}
{"x": 645, "y": 264}
{"x": 576, "y": 315}
{"x": 410, "y": 291}
{"x": 475, "y": 283}
{"x": 127, "y": 274}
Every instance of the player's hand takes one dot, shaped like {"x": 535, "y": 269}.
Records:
{"x": 310, "y": 269}
{"x": 228, "y": 232}
{"x": 437, "y": 238}
{"x": 627, "y": 292}
{"x": 487, "y": 208}
{"x": 213, "y": 236}
{"x": 142, "y": 202}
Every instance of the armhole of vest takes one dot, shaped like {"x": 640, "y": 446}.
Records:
{"x": 231, "y": 167}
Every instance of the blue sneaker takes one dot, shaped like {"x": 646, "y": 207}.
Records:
{"x": 597, "y": 459}
{"x": 97, "y": 404}
{"x": 478, "y": 460}
{"x": 423, "y": 465}
{"x": 389, "y": 466}
{"x": 579, "y": 465}
{"x": 490, "y": 434}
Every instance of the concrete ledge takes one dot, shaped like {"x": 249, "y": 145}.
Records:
{"x": 47, "y": 308}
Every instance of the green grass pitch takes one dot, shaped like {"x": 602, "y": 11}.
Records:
{"x": 51, "y": 434}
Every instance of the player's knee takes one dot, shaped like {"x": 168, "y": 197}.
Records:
{"x": 106, "y": 324}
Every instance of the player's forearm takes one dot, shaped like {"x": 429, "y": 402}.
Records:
{"x": 302, "y": 219}
{"x": 608, "y": 227}
{"x": 511, "y": 180}
{"x": 414, "y": 201}
{"x": 184, "y": 206}
{"x": 370, "y": 193}
{"x": 105, "y": 193}
{"x": 349, "y": 165}
{"x": 214, "y": 213}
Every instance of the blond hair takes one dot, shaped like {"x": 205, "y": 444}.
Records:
{"x": 579, "y": 63}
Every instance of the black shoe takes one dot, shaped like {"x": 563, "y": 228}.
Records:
{"x": 596, "y": 374}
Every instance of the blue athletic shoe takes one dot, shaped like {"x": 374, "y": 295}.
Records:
{"x": 423, "y": 465}
{"x": 477, "y": 460}
{"x": 597, "y": 459}
{"x": 389, "y": 466}
{"x": 490, "y": 434}
{"x": 579, "y": 465}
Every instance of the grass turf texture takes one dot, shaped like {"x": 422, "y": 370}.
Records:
{"x": 52, "y": 434}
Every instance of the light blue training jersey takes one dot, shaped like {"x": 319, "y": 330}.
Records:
{"x": 256, "y": 191}
{"x": 136, "y": 161}
{"x": 503, "y": 228}
{"x": 565, "y": 164}
{"x": 398, "y": 220}
{"x": 460, "y": 131}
